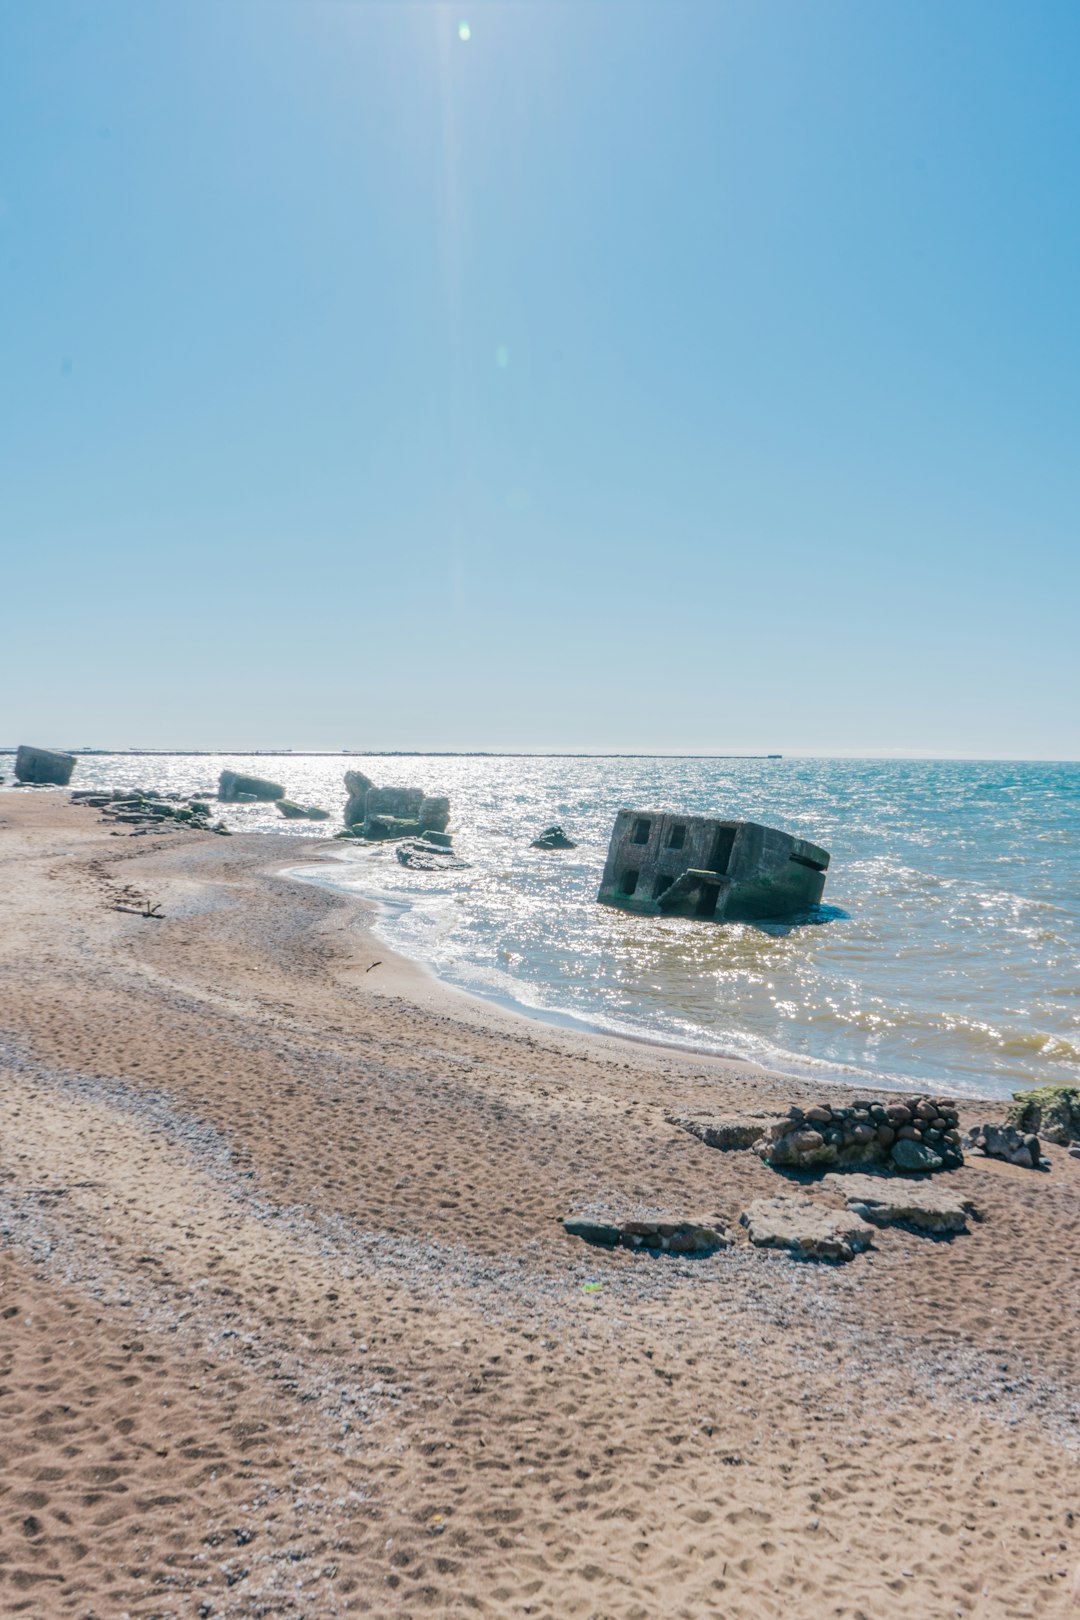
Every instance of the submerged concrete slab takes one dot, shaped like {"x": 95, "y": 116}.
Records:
{"x": 698, "y": 866}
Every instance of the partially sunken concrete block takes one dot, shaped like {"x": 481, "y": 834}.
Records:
{"x": 808, "y": 1231}
{"x": 720, "y": 871}
{"x": 725, "y": 1131}
{"x": 660, "y": 1233}
{"x": 43, "y": 765}
{"x": 891, "y": 1201}
{"x": 235, "y": 788}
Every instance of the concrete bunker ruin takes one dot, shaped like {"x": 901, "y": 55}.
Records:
{"x": 719, "y": 871}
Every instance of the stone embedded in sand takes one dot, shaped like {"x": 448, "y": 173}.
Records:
{"x": 807, "y": 1230}
{"x": 43, "y": 765}
{"x": 725, "y": 1131}
{"x": 890, "y": 1200}
{"x": 1005, "y": 1142}
{"x": 662, "y": 1234}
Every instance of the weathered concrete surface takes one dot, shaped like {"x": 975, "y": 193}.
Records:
{"x": 402, "y": 803}
{"x": 808, "y": 1230}
{"x": 1052, "y": 1112}
{"x": 299, "y": 812}
{"x": 234, "y": 786}
{"x": 43, "y": 765}
{"x": 891, "y": 1201}
{"x": 434, "y": 813}
{"x": 357, "y": 786}
{"x": 660, "y": 1233}
{"x": 725, "y": 1131}
{"x": 698, "y": 866}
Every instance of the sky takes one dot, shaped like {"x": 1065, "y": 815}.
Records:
{"x": 696, "y": 376}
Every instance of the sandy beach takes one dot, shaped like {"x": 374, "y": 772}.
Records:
{"x": 291, "y": 1325}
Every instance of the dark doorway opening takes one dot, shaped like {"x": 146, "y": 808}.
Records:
{"x": 725, "y": 840}
{"x": 710, "y": 894}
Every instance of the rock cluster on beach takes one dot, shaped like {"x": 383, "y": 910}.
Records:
{"x": 1052, "y": 1112}
{"x": 1005, "y": 1142}
{"x": 143, "y": 808}
{"x": 915, "y": 1134}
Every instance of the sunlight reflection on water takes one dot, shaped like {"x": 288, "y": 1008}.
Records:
{"x": 950, "y": 953}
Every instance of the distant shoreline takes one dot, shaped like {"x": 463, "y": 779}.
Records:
{"x": 372, "y": 753}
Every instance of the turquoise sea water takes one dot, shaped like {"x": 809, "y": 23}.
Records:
{"x": 950, "y": 954}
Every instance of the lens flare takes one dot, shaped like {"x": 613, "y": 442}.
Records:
{"x": 464, "y": 32}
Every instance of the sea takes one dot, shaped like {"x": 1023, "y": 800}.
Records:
{"x": 946, "y": 952}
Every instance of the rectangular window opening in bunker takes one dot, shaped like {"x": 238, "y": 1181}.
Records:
{"x": 642, "y": 829}
{"x": 677, "y": 837}
{"x": 629, "y": 881}
{"x": 725, "y": 840}
{"x": 710, "y": 894}
{"x": 664, "y": 881}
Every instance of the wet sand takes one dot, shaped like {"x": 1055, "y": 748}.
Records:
{"x": 290, "y": 1325}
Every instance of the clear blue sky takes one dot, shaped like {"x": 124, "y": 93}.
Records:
{"x": 680, "y": 376}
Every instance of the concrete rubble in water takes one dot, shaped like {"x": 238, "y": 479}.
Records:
{"x": 664, "y": 865}
{"x": 46, "y": 765}
{"x": 379, "y": 814}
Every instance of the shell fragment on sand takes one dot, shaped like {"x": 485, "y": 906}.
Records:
{"x": 807, "y": 1230}
{"x": 892, "y": 1200}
